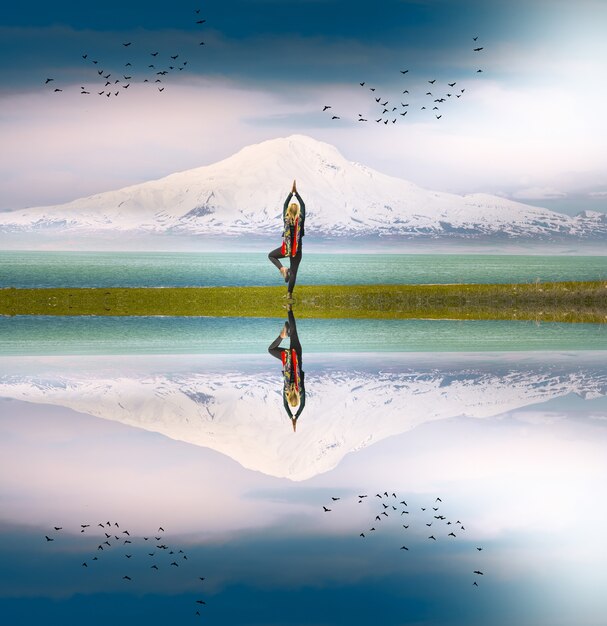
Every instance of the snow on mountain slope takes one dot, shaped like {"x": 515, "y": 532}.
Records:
{"x": 244, "y": 194}
{"x": 241, "y": 414}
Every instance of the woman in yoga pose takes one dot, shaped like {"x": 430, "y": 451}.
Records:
{"x": 294, "y": 392}
{"x": 294, "y": 216}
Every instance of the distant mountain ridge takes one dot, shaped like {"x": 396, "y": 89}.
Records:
{"x": 243, "y": 196}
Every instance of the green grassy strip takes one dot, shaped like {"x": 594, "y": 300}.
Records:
{"x": 564, "y": 301}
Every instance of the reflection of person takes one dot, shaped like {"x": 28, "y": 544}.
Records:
{"x": 294, "y": 392}
{"x": 294, "y": 216}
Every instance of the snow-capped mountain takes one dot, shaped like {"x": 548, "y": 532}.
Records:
{"x": 243, "y": 195}
{"x": 241, "y": 414}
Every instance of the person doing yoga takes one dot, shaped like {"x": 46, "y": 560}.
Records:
{"x": 294, "y": 391}
{"x": 294, "y": 217}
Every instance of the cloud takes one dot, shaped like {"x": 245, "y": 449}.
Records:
{"x": 597, "y": 194}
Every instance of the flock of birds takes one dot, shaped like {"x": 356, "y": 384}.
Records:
{"x": 433, "y": 521}
{"x": 111, "y": 538}
{"x": 111, "y": 83}
{"x": 393, "y": 111}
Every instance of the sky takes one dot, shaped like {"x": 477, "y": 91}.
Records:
{"x": 530, "y": 126}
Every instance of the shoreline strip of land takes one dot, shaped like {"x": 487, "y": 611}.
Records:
{"x": 582, "y": 302}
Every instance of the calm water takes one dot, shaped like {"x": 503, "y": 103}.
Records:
{"x": 197, "y": 451}
{"x": 199, "y": 335}
{"x": 120, "y": 269}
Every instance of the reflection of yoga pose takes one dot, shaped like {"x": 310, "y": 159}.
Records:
{"x": 294, "y": 217}
{"x": 294, "y": 391}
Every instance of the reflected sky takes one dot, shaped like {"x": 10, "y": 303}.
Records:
{"x": 512, "y": 443}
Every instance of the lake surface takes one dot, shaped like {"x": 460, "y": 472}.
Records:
{"x": 167, "y": 469}
{"x": 162, "y": 450}
{"x": 50, "y": 335}
{"x": 163, "y": 269}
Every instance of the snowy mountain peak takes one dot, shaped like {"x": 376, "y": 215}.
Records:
{"x": 243, "y": 195}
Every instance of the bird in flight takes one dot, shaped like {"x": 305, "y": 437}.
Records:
{"x": 49, "y": 538}
{"x": 326, "y": 509}
{"x": 432, "y": 537}
{"x": 479, "y": 549}
{"x": 362, "y": 84}
{"x": 336, "y": 117}
{"x": 475, "y": 583}
{"x": 404, "y": 548}
{"x": 477, "y": 49}
{"x": 478, "y": 572}
{"x": 432, "y": 81}
{"x": 451, "y": 535}
{"x": 127, "y": 578}
{"x": 58, "y": 527}
{"x": 404, "y": 71}
{"x": 332, "y": 498}
{"x": 48, "y": 80}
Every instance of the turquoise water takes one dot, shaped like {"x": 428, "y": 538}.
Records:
{"x": 25, "y": 335}
{"x": 157, "y": 269}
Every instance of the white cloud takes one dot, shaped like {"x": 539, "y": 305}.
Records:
{"x": 598, "y": 194}
{"x": 62, "y": 146}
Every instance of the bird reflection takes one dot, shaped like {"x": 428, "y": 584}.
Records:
{"x": 294, "y": 392}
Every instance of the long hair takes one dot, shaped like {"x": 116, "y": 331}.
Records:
{"x": 293, "y": 212}
{"x": 292, "y": 396}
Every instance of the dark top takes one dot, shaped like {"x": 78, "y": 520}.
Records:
{"x": 275, "y": 351}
